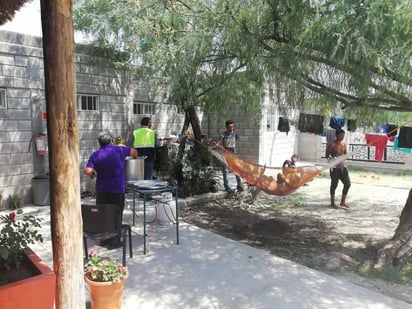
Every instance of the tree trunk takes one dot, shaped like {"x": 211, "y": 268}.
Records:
{"x": 63, "y": 138}
{"x": 192, "y": 119}
{"x": 397, "y": 251}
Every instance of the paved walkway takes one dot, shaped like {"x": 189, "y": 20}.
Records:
{"x": 209, "y": 271}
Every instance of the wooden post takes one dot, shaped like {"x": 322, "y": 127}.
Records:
{"x": 63, "y": 138}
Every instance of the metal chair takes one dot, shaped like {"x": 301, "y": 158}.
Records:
{"x": 102, "y": 222}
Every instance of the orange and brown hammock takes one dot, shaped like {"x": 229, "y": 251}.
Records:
{"x": 264, "y": 177}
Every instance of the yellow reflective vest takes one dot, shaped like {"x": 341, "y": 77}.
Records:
{"x": 144, "y": 138}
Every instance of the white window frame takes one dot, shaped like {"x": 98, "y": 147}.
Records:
{"x": 3, "y": 98}
{"x": 143, "y": 108}
{"x": 87, "y": 102}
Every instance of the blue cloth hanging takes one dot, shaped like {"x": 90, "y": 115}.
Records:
{"x": 336, "y": 123}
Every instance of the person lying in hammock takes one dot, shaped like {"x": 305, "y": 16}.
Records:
{"x": 289, "y": 180}
{"x": 260, "y": 176}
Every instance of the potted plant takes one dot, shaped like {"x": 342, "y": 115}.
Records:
{"x": 23, "y": 272}
{"x": 105, "y": 278}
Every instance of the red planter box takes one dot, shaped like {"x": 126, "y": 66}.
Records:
{"x": 36, "y": 292}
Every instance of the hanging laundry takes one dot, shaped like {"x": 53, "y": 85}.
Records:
{"x": 283, "y": 125}
{"x": 379, "y": 142}
{"x": 405, "y": 137}
{"x": 351, "y": 123}
{"x": 311, "y": 123}
{"x": 390, "y": 129}
{"x": 397, "y": 148}
{"x": 336, "y": 123}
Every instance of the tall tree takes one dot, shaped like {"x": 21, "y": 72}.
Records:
{"x": 346, "y": 54}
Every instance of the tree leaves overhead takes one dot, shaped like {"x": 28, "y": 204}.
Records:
{"x": 347, "y": 54}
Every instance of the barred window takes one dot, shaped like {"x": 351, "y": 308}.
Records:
{"x": 142, "y": 108}
{"x": 87, "y": 102}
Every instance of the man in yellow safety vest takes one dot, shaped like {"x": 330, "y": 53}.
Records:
{"x": 145, "y": 141}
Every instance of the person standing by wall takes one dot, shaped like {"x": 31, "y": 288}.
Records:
{"x": 228, "y": 141}
{"x": 107, "y": 165}
{"x": 339, "y": 172}
{"x": 145, "y": 141}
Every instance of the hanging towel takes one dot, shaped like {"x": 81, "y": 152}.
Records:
{"x": 311, "y": 123}
{"x": 336, "y": 123}
{"x": 283, "y": 125}
{"x": 351, "y": 125}
{"x": 405, "y": 137}
{"x": 379, "y": 142}
{"x": 395, "y": 146}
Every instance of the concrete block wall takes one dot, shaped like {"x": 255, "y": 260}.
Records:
{"x": 310, "y": 147}
{"x": 21, "y": 73}
{"x": 247, "y": 145}
{"x": 278, "y": 147}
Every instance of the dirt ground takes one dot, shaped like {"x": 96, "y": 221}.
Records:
{"x": 303, "y": 228}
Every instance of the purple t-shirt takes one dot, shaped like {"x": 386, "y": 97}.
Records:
{"x": 109, "y": 162}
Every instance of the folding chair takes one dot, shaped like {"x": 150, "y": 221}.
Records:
{"x": 102, "y": 222}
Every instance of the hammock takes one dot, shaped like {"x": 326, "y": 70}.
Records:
{"x": 268, "y": 178}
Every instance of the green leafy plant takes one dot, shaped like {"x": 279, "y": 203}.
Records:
{"x": 104, "y": 270}
{"x": 193, "y": 174}
{"x": 15, "y": 236}
{"x": 15, "y": 201}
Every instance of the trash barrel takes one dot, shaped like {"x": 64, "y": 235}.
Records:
{"x": 41, "y": 190}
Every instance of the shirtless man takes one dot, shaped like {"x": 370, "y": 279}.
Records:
{"x": 339, "y": 172}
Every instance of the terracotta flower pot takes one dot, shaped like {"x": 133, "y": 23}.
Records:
{"x": 105, "y": 295}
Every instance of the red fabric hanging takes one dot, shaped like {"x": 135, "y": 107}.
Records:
{"x": 379, "y": 142}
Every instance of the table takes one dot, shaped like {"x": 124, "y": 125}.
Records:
{"x": 143, "y": 191}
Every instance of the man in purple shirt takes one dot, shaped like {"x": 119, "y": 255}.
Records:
{"x": 107, "y": 165}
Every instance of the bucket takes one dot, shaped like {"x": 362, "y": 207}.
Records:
{"x": 134, "y": 168}
{"x": 166, "y": 212}
{"x": 41, "y": 191}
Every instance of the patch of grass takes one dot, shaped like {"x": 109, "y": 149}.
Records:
{"x": 293, "y": 200}
{"x": 389, "y": 274}
{"x": 407, "y": 272}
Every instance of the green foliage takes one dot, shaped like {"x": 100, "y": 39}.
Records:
{"x": 101, "y": 270}
{"x": 330, "y": 57}
{"x": 400, "y": 275}
{"x": 390, "y": 274}
{"x": 15, "y": 201}
{"x": 15, "y": 236}
{"x": 193, "y": 174}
